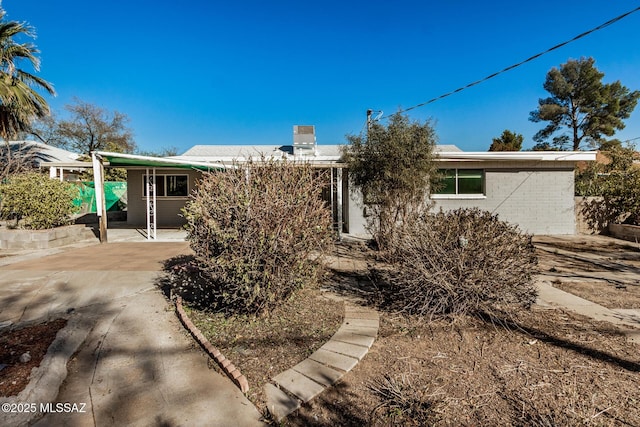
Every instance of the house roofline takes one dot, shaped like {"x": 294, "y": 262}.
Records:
{"x": 566, "y": 156}
{"x": 135, "y": 160}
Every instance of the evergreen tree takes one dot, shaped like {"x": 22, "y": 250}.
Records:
{"x": 393, "y": 167}
{"x": 508, "y": 141}
{"x": 581, "y": 109}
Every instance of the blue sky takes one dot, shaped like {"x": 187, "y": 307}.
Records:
{"x": 220, "y": 72}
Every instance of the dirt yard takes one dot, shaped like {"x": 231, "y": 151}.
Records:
{"x": 263, "y": 347}
{"x": 601, "y": 269}
{"x": 34, "y": 340}
{"x": 543, "y": 367}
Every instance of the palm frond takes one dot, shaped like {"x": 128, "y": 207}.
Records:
{"x": 20, "y": 100}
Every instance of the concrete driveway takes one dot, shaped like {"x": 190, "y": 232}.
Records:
{"x": 132, "y": 362}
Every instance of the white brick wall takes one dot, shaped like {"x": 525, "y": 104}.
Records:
{"x": 539, "y": 201}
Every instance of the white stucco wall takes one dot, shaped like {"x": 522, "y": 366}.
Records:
{"x": 168, "y": 208}
{"x": 357, "y": 221}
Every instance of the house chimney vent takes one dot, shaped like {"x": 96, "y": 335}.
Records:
{"x": 304, "y": 140}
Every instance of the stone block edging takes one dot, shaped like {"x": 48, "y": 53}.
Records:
{"x": 225, "y": 364}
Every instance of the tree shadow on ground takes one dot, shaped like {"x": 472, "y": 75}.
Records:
{"x": 184, "y": 279}
{"x": 568, "y": 261}
{"x": 134, "y": 381}
{"x": 331, "y": 408}
{"x": 351, "y": 284}
{"x": 546, "y": 337}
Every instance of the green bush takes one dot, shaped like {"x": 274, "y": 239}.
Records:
{"x": 617, "y": 183}
{"x": 394, "y": 168}
{"x": 458, "y": 262}
{"x": 254, "y": 231}
{"x": 36, "y": 201}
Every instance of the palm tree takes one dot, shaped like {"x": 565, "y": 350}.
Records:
{"x": 20, "y": 102}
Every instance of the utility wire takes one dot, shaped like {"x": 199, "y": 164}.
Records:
{"x": 511, "y": 67}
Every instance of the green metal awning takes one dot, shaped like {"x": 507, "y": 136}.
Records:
{"x": 133, "y": 160}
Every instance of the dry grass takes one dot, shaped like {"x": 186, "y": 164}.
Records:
{"x": 262, "y": 347}
{"x": 545, "y": 368}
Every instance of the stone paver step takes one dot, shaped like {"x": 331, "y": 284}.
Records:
{"x": 353, "y": 337}
{"x": 350, "y": 350}
{"x": 299, "y": 385}
{"x": 365, "y": 323}
{"x": 279, "y": 403}
{"x": 360, "y": 330}
{"x": 327, "y": 365}
{"x": 318, "y": 372}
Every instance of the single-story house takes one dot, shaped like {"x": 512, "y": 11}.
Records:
{"x": 532, "y": 189}
{"x": 38, "y": 155}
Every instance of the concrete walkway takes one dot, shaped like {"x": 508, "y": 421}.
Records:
{"x": 133, "y": 363}
{"x": 627, "y": 320}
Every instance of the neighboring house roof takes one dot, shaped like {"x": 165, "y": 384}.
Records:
{"x": 37, "y": 152}
{"x": 447, "y": 148}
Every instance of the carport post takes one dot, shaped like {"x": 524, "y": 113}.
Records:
{"x": 339, "y": 200}
{"x": 101, "y": 208}
{"x": 151, "y": 205}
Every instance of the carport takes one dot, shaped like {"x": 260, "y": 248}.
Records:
{"x": 105, "y": 159}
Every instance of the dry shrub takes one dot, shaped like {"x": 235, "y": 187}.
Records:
{"x": 402, "y": 402}
{"x": 461, "y": 261}
{"x": 254, "y": 230}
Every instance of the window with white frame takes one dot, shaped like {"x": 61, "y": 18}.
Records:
{"x": 461, "y": 181}
{"x": 168, "y": 185}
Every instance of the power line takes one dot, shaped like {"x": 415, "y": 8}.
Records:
{"x": 511, "y": 67}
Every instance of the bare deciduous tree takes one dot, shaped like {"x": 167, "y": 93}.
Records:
{"x": 89, "y": 128}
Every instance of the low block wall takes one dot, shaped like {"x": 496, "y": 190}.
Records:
{"x": 43, "y": 239}
{"x": 625, "y": 232}
{"x": 582, "y": 225}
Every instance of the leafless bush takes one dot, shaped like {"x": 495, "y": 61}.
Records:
{"x": 462, "y": 261}
{"x": 402, "y": 402}
{"x": 15, "y": 159}
{"x": 253, "y": 230}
